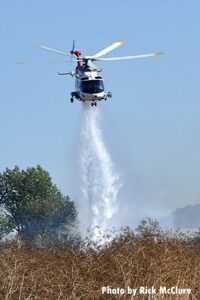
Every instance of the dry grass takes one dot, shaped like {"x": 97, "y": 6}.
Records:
{"x": 76, "y": 274}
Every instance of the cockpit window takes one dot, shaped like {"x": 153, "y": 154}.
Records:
{"x": 92, "y": 86}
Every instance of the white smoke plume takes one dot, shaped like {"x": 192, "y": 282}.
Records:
{"x": 100, "y": 180}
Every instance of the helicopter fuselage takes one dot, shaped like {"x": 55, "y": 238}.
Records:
{"x": 89, "y": 84}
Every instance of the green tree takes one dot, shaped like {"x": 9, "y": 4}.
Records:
{"x": 31, "y": 204}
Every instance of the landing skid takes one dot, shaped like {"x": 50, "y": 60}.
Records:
{"x": 92, "y": 104}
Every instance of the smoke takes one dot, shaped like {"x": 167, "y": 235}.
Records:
{"x": 100, "y": 180}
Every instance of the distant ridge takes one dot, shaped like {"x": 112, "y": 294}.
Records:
{"x": 188, "y": 216}
{"x": 184, "y": 217}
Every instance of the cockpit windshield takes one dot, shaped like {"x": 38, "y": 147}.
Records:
{"x": 92, "y": 86}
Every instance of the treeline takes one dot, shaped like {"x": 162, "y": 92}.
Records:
{"x": 34, "y": 209}
{"x": 32, "y": 206}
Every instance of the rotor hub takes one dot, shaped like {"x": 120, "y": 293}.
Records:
{"x": 77, "y": 53}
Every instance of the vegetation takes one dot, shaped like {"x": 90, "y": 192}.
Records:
{"x": 147, "y": 257}
{"x": 31, "y": 204}
{"x": 39, "y": 264}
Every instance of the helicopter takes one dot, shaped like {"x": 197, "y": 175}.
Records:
{"x": 89, "y": 85}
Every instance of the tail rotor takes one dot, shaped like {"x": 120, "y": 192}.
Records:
{"x": 73, "y": 48}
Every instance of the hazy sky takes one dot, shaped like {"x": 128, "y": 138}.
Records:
{"x": 152, "y": 123}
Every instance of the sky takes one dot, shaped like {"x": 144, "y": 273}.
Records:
{"x": 151, "y": 125}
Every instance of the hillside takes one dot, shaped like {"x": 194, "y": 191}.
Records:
{"x": 188, "y": 216}
{"x": 184, "y": 217}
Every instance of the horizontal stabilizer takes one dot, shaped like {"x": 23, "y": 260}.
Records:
{"x": 63, "y": 73}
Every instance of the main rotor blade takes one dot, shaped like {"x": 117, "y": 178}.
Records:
{"x": 53, "y": 50}
{"x": 45, "y": 62}
{"x": 128, "y": 57}
{"x": 109, "y": 48}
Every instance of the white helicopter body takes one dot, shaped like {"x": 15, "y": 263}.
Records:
{"x": 89, "y": 85}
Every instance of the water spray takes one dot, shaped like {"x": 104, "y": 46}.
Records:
{"x": 99, "y": 178}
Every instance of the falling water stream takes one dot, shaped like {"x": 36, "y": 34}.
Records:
{"x": 100, "y": 180}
